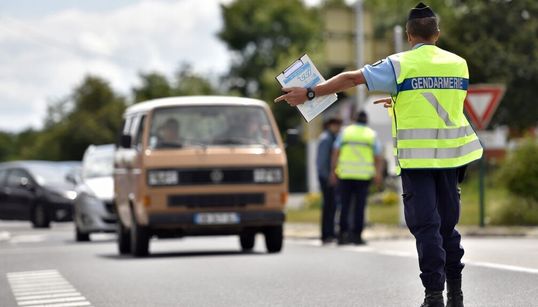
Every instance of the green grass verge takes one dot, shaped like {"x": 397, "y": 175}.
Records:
{"x": 389, "y": 213}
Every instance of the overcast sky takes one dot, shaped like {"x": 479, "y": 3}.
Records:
{"x": 48, "y": 46}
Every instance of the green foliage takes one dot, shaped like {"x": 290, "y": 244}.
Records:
{"x": 515, "y": 211}
{"x": 91, "y": 115}
{"x": 259, "y": 32}
{"x": 519, "y": 172}
{"x": 496, "y": 37}
{"x": 155, "y": 85}
{"x": 189, "y": 83}
{"x": 7, "y": 144}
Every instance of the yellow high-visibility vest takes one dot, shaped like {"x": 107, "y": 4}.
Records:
{"x": 429, "y": 127}
{"x": 356, "y": 158}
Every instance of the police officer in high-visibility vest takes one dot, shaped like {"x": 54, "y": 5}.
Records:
{"x": 356, "y": 161}
{"x": 433, "y": 144}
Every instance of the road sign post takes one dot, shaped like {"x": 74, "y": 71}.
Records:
{"x": 481, "y": 102}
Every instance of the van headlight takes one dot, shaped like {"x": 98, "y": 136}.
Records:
{"x": 162, "y": 177}
{"x": 268, "y": 175}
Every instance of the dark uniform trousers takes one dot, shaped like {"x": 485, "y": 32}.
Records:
{"x": 432, "y": 208}
{"x": 353, "y": 192}
{"x": 328, "y": 209}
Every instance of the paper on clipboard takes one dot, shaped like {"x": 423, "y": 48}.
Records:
{"x": 303, "y": 73}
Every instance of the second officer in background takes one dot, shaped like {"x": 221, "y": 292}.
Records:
{"x": 356, "y": 161}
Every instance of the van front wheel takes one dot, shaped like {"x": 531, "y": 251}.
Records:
{"x": 247, "y": 239}
{"x": 124, "y": 238}
{"x": 140, "y": 236}
{"x": 274, "y": 238}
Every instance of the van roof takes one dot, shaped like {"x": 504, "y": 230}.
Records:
{"x": 192, "y": 100}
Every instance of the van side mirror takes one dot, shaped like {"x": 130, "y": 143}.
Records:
{"x": 125, "y": 141}
{"x": 72, "y": 178}
{"x": 292, "y": 137}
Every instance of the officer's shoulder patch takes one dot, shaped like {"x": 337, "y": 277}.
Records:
{"x": 377, "y": 63}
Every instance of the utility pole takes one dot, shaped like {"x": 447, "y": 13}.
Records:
{"x": 398, "y": 47}
{"x": 359, "y": 19}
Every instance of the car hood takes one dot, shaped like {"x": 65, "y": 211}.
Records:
{"x": 101, "y": 187}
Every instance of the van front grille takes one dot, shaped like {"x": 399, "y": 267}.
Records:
{"x": 218, "y": 176}
{"x": 216, "y": 200}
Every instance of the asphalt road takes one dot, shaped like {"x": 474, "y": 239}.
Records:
{"x": 40, "y": 267}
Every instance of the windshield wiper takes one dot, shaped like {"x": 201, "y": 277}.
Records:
{"x": 169, "y": 145}
{"x": 232, "y": 141}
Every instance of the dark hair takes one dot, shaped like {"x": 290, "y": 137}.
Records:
{"x": 330, "y": 121}
{"x": 171, "y": 123}
{"x": 424, "y": 28}
{"x": 362, "y": 117}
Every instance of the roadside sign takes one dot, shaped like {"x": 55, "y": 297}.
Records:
{"x": 482, "y": 101}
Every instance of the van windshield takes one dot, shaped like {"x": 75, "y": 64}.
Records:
{"x": 188, "y": 126}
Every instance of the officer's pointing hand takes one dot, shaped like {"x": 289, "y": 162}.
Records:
{"x": 387, "y": 102}
{"x": 294, "y": 95}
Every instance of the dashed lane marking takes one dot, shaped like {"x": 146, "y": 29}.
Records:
{"x": 33, "y": 238}
{"x": 44, "y": 288}
{"x": 4, "y": 236}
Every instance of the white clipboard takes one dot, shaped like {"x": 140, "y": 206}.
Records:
{"x": 303, "y": 73}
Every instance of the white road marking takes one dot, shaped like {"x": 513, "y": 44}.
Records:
{"x": 48, "y": 296}
{"x": 491, "y": 265}
{"x": 28, "y": 239}
{"x": 44, "y": 288}
{"x": 4, "y": 236}
{"x": 73, "y": 304}
{"x": 502, "y": 267}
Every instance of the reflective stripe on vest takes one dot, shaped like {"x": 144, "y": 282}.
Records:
{"x": 356, "y": 158}
{"x": 430, "y": 129}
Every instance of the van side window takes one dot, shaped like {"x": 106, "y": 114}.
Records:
{"x": 139, "y": 132}
{"x": 127, "y": 125}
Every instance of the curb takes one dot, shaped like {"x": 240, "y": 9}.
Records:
{"x": 387, "y": 232}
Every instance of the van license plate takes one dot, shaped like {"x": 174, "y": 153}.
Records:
{"x": 216, "y": 218}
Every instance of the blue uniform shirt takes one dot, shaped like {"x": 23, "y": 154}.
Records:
{"x": 323, "y": 158}
{"x": 380, "y": 76}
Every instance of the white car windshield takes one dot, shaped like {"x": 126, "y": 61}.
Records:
{"x": 98, "y": 165}
{"x": 179, "y": 127}
{"x": 49, "y": 174}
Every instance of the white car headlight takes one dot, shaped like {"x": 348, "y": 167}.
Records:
{"x": 71, "y": 195}
{"x": 168, "y": 177}
{"x": 268, "y": 175}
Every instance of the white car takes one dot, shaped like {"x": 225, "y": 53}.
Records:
{"x": 94, "y": 205}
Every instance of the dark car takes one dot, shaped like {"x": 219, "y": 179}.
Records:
{"x": 36, "y": 191}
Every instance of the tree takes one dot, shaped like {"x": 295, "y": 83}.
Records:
{"x": 7, "y": 146}
{"x": 496, "y": 37}
{"x": 259, "y": 32}
{"x": 154, "y": 85}
{"x": 189, "y": 83}
{"x": 95, "y": 118}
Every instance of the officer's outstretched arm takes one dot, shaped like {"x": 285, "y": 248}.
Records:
{"x": 297, "y": 95}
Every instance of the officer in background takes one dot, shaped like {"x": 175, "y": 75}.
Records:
{"x": 356, "y": 160}
{"x": 323, "y": 164}
{"x": 433, "y": 141}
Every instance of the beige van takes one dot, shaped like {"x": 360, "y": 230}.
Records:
{"x": 204, "y": 165}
